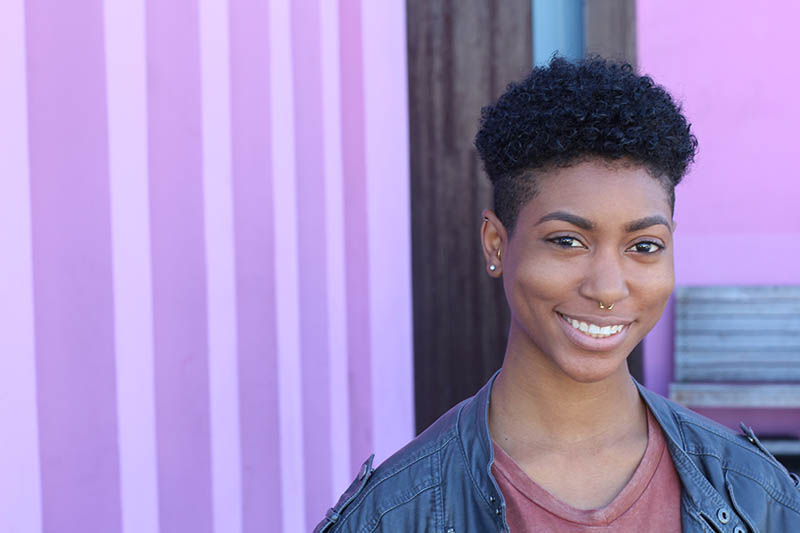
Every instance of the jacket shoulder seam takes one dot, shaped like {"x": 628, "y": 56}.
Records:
{"x": 389, "y": 475}
{"x": 728, "y": 438}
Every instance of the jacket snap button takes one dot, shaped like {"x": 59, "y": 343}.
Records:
{"x": 491, "y": 499}
{"x": 739, "y": 529}
{"x": 497, "y": 511}
{"x": 723, "y": 516}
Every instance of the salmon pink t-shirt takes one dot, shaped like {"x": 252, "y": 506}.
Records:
{"x": 649, "y": 502}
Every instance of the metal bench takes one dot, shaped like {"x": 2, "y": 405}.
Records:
{"x": 738, "y": 347}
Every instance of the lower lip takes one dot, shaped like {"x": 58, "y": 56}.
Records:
{"x": 603, "y": 344}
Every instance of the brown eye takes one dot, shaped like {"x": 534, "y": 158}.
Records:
{"x": 646, "y": 247}
{"x": 566, "y": 242}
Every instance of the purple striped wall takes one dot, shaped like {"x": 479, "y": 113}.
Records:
{"x": 206, "y": 289}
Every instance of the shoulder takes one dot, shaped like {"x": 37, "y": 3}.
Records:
{"x": 740, "y": 458}
{"x": 703, "y": 436}
{"x": 401, "y": 491}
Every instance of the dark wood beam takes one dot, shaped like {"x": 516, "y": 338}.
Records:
{"x": 461, "y": 55}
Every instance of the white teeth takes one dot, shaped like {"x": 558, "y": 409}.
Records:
{"x": 593, "y": 329}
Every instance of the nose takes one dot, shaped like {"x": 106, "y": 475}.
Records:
{"x": 605, "y": 279}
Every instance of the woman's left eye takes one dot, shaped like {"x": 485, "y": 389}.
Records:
{"x": 646, "y": 247}
{"x": 566, "y": 242}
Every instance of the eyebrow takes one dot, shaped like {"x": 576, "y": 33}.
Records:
{"x": 647, "y": 222}
{"x": 575, "y": 220}
{"x": 588, "y": 225}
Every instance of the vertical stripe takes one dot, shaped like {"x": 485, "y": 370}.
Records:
{"x": 334, "y": 211}
{"x": 178, "y": 263}
{"x": 71, "y": 238}
{"x": 130, "y": 224}
{"x": 286, "y": 267}
{"x": 20, "y": 487}
{"x": 357, "y": 269}
{"x": 388, "y": 208}
{"x": 557, "y": 28}
{"x": 312, "y": 258}
{"x": 226, "y": 465}
{"x": 255, "y": 264}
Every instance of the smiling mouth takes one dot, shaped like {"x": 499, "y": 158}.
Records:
{"x": 593, "y": 330}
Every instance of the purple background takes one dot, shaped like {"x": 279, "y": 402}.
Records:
{"x": 737, "y": 210}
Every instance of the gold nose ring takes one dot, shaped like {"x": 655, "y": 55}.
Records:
{"x": 604, "y": 306}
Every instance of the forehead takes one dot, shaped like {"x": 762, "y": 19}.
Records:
{"x": 599, "y": 190}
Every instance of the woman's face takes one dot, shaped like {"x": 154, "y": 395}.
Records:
{"x": 596, "y": 232}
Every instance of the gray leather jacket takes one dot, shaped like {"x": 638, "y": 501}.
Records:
{"x": 442, "y": 481}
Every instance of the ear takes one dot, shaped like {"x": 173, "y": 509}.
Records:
{"x": 493, "y": 241}
{"x": 674, "y": 226}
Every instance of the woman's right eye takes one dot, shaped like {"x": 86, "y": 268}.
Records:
{"x": 566, "y": 242}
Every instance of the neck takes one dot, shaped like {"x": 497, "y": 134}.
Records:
{"x": 536, "y": 407}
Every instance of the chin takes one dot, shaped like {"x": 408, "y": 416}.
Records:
{"x": 593, "y": 371}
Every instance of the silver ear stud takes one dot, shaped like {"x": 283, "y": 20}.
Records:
{"x": 492, "y": 267}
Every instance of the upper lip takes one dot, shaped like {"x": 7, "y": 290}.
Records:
{"x": 608, "y": 320}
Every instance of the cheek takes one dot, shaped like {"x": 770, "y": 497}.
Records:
{"x": 534, "y": 283}
{"x": 654, "y": 290}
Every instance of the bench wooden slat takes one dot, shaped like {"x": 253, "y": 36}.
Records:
{"x": 735, "y": 342}
{"x": 733, "y": 346}
{"x": 741, "y": 373}
{"x": 733, "y": 293}
{"x": 790, "y": 324}
{"x": 782, "y": 308}
{"x": 719, "y": 395}
{"x": 692, "y": 358}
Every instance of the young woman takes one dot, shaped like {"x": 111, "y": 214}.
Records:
{"x": 584, "y": 159}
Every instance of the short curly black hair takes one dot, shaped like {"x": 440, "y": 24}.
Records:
{"x": 566, "y": 111}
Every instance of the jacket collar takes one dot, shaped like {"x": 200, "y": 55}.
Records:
{"x": 476, "y": 444}
{"x": 695, "y": 485}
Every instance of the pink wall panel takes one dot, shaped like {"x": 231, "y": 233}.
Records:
{"x": 312, "y": 254}
{"x": 20, "y": 501}
{"x": 389, "y": 248}
{"x": 359, "y": 325}
{"x": 220, "y": 258}
{"x": 730, "y": 65}
{"x": 126, "y": 88}
{"x": 180, "y": 316}
{"x": 71, "y": 244}
{"x": 255, "y": 262}
{"x": 209, "y": 281}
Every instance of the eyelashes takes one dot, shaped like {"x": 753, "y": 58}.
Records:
{"x": 645, "y": 247}
{"x": 566, "y": 242}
